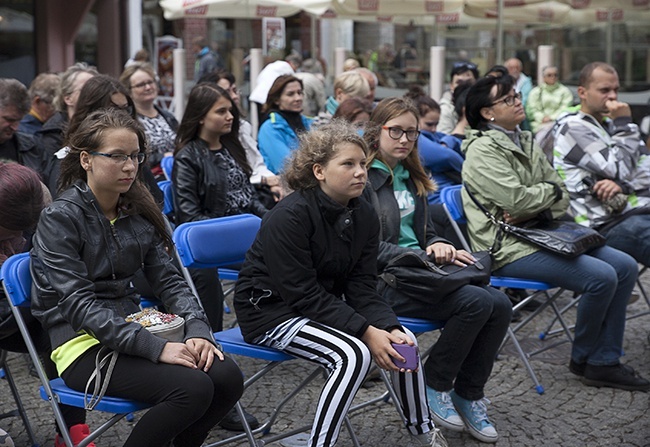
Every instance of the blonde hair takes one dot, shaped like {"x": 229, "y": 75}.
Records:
{"x": 352, "y": 83}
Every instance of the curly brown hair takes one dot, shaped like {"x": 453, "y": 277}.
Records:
{"x": 319, "y": 146}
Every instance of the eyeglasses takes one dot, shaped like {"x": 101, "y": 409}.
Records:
{"x": 465, "y": 65}
{"x": 143, "y": 84}
{"x": 396, "y": 133}
{"x": 551, "y": 75}
{"x": 120, "y": 159}
{"x": 509, "y": 100}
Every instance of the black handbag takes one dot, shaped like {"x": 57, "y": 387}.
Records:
{"x": 565, "y": 238}
{"x": 421, "y": 279}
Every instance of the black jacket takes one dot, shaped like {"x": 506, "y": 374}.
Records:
{"x": 82, "y": 268}
{"x": 380, "y": 193}
{"x": 317, "y": 259}
{"x": 49, "y": 139}
{"x": 201, "y": 184}
{"x": 29, "y": 154}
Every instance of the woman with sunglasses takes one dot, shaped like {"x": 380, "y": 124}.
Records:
{"x": 477, "y": 318}
{"x": 89, "y": 244}
{"x": 159, "y": 125}
{"x": 510, "y": 176}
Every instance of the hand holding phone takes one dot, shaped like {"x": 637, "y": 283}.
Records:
{"x": 411, "y": 356}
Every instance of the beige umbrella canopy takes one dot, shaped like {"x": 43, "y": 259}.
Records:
{"x": 561, "y": 12}
{"x": 240, "y": 9}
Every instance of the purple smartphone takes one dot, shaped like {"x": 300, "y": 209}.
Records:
{"x": 410, "y": 354}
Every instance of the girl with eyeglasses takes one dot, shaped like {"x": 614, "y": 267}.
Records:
{"x": 101, "y": 91}
{"x": 477, "y": 317}
{"x": 89, "y": 244}
{"x": 159, "y": 125}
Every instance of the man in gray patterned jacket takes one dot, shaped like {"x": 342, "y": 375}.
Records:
{"x": 603, "y": 161}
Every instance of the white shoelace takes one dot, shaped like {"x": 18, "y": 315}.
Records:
{"x": 444, "y": 401}
{"x": 479, "y": 410}
{"x": 437, "y": 440}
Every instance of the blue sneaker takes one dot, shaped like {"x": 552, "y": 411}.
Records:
{"x": 474, "y": 414}
{"x": 443, "y": 412}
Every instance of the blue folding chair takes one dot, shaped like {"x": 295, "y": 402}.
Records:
{"x": 168, "y": 194}
{"x": 167, "y": 165}
{"x": 452, "y": 201}
{"x": 17, "y": 282}
{"x": 225, "y": 241}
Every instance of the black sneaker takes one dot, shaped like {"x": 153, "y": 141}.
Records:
{"x": 579, "y": 368}
{"x": 232, "y": 421}
{"x": 615, "y": 376}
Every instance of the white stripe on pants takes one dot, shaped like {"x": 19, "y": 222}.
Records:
{"x": 348, "y": 359}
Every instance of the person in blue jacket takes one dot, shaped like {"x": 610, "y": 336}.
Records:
{"x": 439, "y": 153}
{"x": 278, "y": 135}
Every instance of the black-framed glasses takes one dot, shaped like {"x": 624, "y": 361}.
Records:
{"x": 509, "y": 100}
{"x": 396, "y": 133}
{"x": 143, "y": 84}
{"x": 120, "y": 159}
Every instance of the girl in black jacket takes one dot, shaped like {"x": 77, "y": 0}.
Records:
{"x": 88, "y": 246}
{"x": 210, "y": 177}
{"x": 477, "y": 317}
{"x": 308, "y": 285}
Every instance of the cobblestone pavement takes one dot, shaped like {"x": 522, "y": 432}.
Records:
{"x": 567, "y": 414}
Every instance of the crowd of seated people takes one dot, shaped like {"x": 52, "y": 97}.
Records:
{"x": 390, "y": 154}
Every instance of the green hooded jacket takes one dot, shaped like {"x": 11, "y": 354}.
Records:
{"x": 505, "y": 177}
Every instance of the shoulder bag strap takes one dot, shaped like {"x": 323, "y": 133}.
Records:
{"x": 502, "y": 226}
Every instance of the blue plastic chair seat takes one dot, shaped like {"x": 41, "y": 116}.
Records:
{"x": 109, "y": 404}
{"x": 232, "y": 342}
{"x": 419, "y": 325}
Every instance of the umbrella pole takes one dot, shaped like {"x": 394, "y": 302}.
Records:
{"x": 608, "y": 37}
{"x": 500, "y": 32}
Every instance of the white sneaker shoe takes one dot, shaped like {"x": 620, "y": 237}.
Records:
{"x": 432, "y": 438}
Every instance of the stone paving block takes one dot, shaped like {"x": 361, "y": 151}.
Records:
{"x": 568, "y": 413}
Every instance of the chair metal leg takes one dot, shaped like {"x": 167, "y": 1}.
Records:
{"x": 644, "y": 294}
{"x": 524, "y": 358}
{"x": 20, "y": 409}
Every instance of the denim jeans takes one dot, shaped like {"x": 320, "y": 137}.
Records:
{"x": 477, "y": 320}
{"x": 605, "y": 278}
{"x": 632, "y": 236}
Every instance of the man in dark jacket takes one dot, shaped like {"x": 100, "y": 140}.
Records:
{"x": 16, "y": 146}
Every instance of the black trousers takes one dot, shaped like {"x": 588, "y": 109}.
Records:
{"x": 187, "y": 402}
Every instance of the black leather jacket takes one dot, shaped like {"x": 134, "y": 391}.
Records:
{"x": 201, "y": 184}
{"x": 380, "y": 193}
{"x": 82, "y": 268}
{"x": 311, "y": 252}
